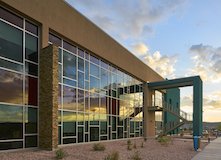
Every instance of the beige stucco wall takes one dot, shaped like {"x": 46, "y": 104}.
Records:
{"x": 63, "y": 19}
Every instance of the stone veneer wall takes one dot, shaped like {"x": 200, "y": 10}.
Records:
{"x": 48, "y": 98}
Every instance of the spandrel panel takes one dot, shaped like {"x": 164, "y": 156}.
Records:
{"x": 11, "y": 122}
{"x": 11, "y": 85}
{"x": 69, "y": 65}
{"x": 31, "y": 48}
{"x": 11, "y": 42}
{"x": 31, "y": 27}
{"x": 69, "y": 98}
{"x": 103, "y": 120}
{"x": 31, "y": 91}
{"x": 10, "y": 17}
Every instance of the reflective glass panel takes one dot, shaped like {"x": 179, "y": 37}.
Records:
{"x": 131, "y": 126}
{"x": 80, "y": 64}
{"x": 114, "y": 109}
{"x": 59, "y": 73}
{"x": 81, "y": 80}
{"x": 59, "y": 135}
{"x": 114, "y": 81}
{"x": 69, "y": 82}
{"x": 80, "y": 134}
{"x": 11, "y": 85}
{"x": 86, "y": 118}
{"x": 86, "y": 56}
{"x": 94, "y": 70}
{"x": 104, "y": 64}
{"x": 31, "y": 27}
{"x": 31, "y": 91}
{"x": 11, "y": 145}
{"x": 81, "y": 53}
{"x": 59, "y": 117}
{"x": 120, "y": 121}
{"x": 31, "y": 141}
{"x": 94, "y": 119}
{"x": 114, "y": 123}
{"x": 69, "y": 140}
{"x": 69, "y": 65}
{"x": 11, "y": 122}
{"x": 69, "y": 47}
{"x": 94, "y": 84}
{"x": 31, "y": 119}
{"x": 11, "y": 42}
{"x": 11, "y": 65}
{"x": 80, "y": 100}
{"x": 119, "y": 132}
{"x": 87, "y": 101}
{"x": 11, "y": 17}
{"x": 80, "y": 118}
{"x": 94, "y": 60}
{"x": 94, "y": 103}
{"x": 69, "y": 98}
{"x": 86, "y": 85}
{"x": 104, "y": 83}
{"x": 104, "y": 104}
{"x": 31, "y": 48}
{"x": 94, "y": 133}
{"x": 59, "y": 96}
{"x": 31, "y": 68}
{"x": 69, "y": 124}
{"x": 60, "y": 55}
{"x": 55, "y": 40}
{"x": 103, "y": 119}
{"x": 86, "y": 70}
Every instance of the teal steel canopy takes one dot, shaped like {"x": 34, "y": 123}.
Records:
{"x": 197, "y": 84}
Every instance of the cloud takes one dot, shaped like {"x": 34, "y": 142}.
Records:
{"x": 207, "y": 61}
{"x": 210, "y": 102}
{"x": 167, "y": 63}
{"x": 129, "y": 19}
{"x": 140, "y": 48}
{"x": 199, "y": 23}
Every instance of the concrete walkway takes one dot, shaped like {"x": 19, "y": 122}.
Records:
{"x": 211, "y": 152}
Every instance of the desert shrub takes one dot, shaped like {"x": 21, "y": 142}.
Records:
{"x": 128, "y": 147}
{"x": 129, "y": 142}
{"x": 181, "y": 134}
{"x": 145, "y": 139}
{"x": 60, "y": 154}
{"x": 99, "y": 147}
{"x": 164, "y": 140}
{"x": 113, "y": 156}
{"x": 142, "y": 145}
{"x": 136, "y": 155}
{"x": 135, "y": 145}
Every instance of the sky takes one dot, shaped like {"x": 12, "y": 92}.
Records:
{"x": 177, "y": 38}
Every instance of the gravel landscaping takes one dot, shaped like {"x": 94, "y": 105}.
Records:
{"x": 152, "y": 150}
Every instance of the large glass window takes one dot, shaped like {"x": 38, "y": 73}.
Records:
{"x": 18, "y": 81}
{"x": 97, "y": 101}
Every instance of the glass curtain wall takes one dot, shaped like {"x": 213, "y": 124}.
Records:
{"x": 18, "y": 82}
{"x": 97, "y": 101}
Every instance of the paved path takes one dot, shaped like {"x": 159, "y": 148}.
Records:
{"x": 211, "y": 152}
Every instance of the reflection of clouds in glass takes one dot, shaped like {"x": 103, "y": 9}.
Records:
{"x": 11, "y": 87}
{"x": 94, "y": 102}
{"x": 12, "y": 114}
{"x": 69, "y": 98}
{"x": 69, "y": 117}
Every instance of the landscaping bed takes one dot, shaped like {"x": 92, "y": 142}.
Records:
{"x": 152, "y": 150}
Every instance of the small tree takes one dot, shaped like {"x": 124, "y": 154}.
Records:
{"x": 219, "y": 127}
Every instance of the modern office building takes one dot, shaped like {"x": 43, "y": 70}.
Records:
{"x": 64, "y": 81}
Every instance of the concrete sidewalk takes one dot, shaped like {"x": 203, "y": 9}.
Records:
{"x": 211, "y": 152}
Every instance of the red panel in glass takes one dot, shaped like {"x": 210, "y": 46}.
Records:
{"x": 31, "y": 91}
